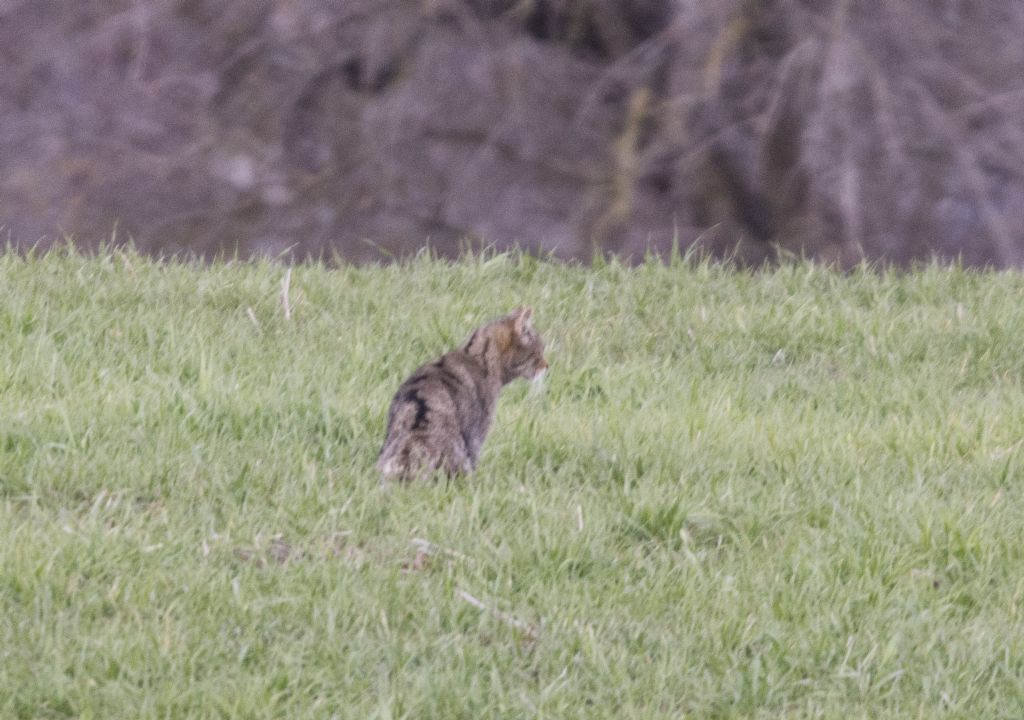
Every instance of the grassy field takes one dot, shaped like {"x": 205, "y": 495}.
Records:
{"x": 784, "y": 494}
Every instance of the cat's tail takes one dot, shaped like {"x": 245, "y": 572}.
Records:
{"x": 410, "y": 461}
{"x": 404, "y": 462}
{"x": 391, "y": 464}
{"x": 391, "y": 469}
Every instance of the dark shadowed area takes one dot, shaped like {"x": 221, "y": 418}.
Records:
{"x": 369, "y": 128}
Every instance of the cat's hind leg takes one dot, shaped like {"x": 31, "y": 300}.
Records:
{"x": 458, "y": 461}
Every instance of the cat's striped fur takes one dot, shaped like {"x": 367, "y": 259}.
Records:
{"x": 441, "y": 414}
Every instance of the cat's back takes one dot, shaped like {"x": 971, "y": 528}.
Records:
{"x": 429, "y": 416}
{"x": 435, "y": 391}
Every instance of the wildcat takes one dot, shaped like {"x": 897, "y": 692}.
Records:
{"x": 440, "y": 415}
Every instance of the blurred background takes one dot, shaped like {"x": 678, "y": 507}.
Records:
{"x": 366, "y": 129}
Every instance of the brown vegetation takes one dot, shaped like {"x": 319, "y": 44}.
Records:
{"x": 837, "y": 129}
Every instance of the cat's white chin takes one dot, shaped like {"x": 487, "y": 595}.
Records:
{"x": 537, "y": 381}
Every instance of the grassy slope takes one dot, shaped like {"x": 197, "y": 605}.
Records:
{"x": 788, "y": 494}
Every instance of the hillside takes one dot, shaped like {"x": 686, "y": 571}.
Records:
{"x": 780, "y": 494}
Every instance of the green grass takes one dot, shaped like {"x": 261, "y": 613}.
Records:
{"x": 782, "y": 494}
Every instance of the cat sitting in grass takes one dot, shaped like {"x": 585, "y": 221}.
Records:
{"x": 440, "y": 415}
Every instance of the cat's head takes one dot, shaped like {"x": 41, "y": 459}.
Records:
{"x": 511, "y": 343}
{"x": 523, "y": 357}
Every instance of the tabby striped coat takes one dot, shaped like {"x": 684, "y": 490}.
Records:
{"x": 441, "y": 414}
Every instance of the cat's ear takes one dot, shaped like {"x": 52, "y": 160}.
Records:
{"x": 521, "y": 319}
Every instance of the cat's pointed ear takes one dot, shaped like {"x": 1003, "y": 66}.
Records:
{"x": 521, "y": 317}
